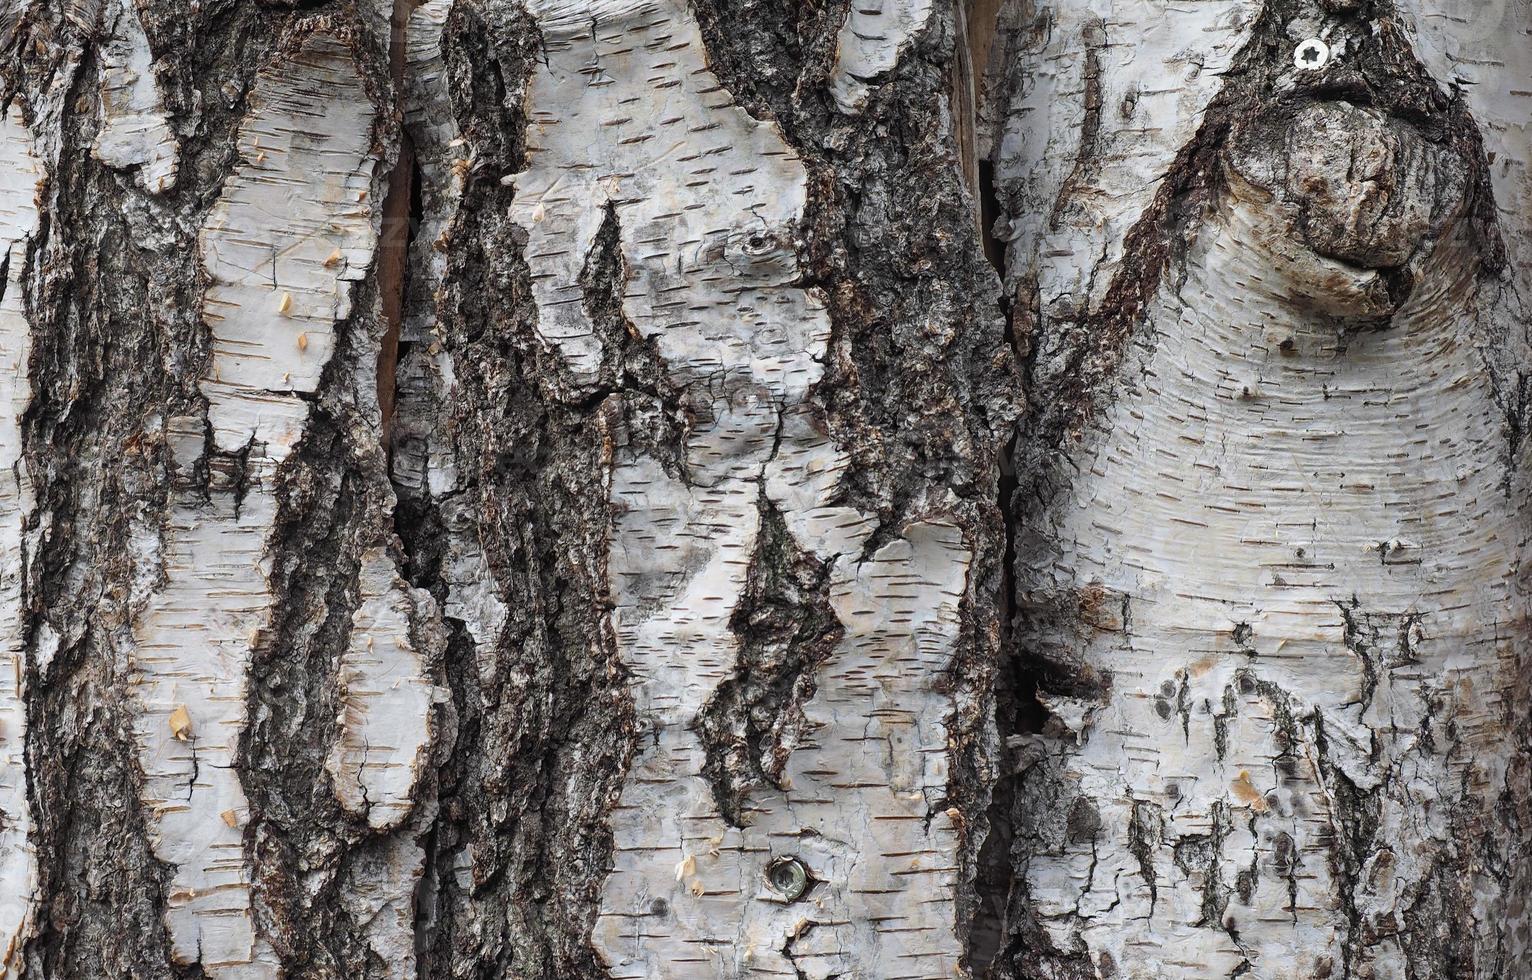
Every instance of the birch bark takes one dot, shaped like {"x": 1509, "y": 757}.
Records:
{"x": 1270, "y": 265}
{"x": 514, "y": 489}
{"x": 748, "y": 488}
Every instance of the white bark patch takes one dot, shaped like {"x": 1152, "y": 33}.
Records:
{"x": 385, "y": 701}
{"x": 290, "y": 234}
{"x": 1286, "y": 543}
{"x": 875, "y": 33}
{"x": 20, "y": 172}
{"x": 862, "y": 808}
{"x": 626, "y": 115}
{"x": 193, "y": 648}
{"x": 291, "y": 230}
{"x": 472, "y": 596}
{"x": 1113, "y": 91}
{"x": 134, "y": 131}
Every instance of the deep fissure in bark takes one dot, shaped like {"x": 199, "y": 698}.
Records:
{"x": 543, "y": 723}
{"x": 543, "y": 727}
{"x": 786, "y": 629}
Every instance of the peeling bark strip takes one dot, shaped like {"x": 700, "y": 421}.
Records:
{"x": 291, "y": 231}
{"x": 1271, "y": 580}
{"x": 871, "y": 39}
{"x": 20, "y": 173}
{"x": 627, "y": 121}
{"x": 134, "y": 131}
{"x": 193, "y": 653}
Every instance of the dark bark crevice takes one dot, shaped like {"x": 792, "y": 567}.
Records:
{"x": 786, "y": 630}
{"x": 920, "y": 387}
{"x": 544, "y": 728}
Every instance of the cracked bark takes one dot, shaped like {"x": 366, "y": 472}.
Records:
{"x": 535, "y": 489}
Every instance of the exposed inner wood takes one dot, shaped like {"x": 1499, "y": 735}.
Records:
{"x": 977, "y": 22}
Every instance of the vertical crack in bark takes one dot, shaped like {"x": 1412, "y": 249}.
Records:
{"x": 396, "y": 241}
{"x": 500, "y": 467}
{"x": 976, "y": 26}
{"x": 1016, "y": 711}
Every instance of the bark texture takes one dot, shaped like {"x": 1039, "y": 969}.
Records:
{"x": 515, "y": 491}
{"x": 1268, "y": 713}
{"x": 763, "y": 488}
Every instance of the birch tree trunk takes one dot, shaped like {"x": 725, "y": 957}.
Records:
{"x": 1269, "y": 696}
{"x": 749, "y": 488}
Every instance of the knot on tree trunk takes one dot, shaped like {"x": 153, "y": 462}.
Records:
{"x": 1359, "y": 185}
{"x": 1356, "y": 186}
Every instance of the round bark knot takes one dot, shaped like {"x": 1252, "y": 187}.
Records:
{"x": 1361, "y": 186}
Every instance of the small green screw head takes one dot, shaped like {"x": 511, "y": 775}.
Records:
{"x": 788, "y": 877}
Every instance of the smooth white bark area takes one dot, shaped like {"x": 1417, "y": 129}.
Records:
{"x": 134, "y": 131}
{"x": 626, "y": 115}
{"x": 1109, "y": 95}
{"x": 863, "y": 808}
{"x": 875, "y": 33}
{"x": 292, "y": 229}
{"x": 385, "y": 701}
{"x": 1290, "y": 547}
{"x": 193, "y": 648}
{"x": 20, "y": 172}
{"x": 290, "y": 233}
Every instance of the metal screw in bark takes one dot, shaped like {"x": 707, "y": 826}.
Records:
{"x": 788, "y": 877}
{"x": 1311, "y": 54}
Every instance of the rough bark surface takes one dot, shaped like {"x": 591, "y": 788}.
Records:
{"x": 704, "y": 569}
{"x": 524, "y": 488}
{"x": 534, "y": 589}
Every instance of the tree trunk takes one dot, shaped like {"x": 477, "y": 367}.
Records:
{"x": 649, "y": 488}
{"x": 1269, "y": 262}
